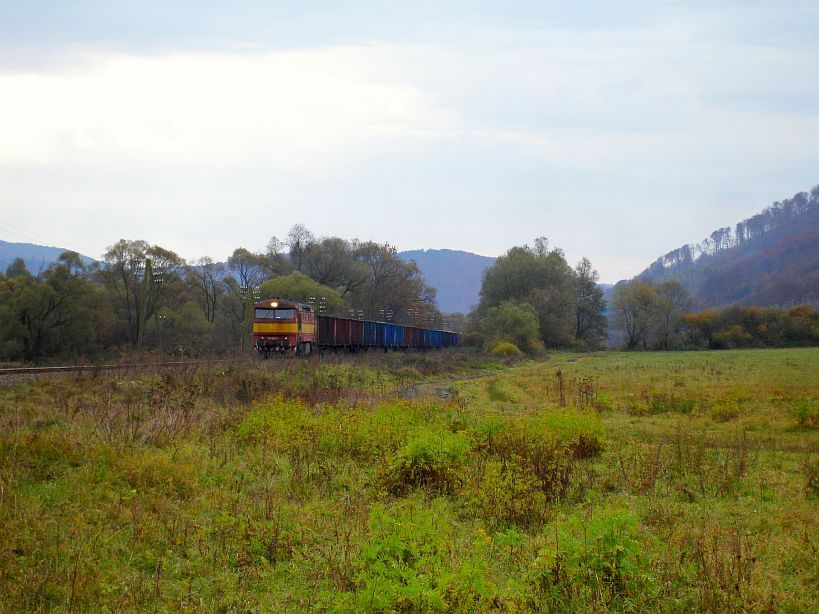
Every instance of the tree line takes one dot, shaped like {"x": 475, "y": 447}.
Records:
{"x": 146, "y": 297}
{"x": 651, "y": 315}
{"x": 532, "y": 299}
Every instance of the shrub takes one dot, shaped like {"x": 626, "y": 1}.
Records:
{"x": 280, "y": 424}
{"x": 504, "y": 349}
{"x": 504, "y": 493}
{"x": 733, "y": 337}
{"x": 545, "y": 445}
{"x": 512, "y": 322}
{"x": 472, "y": 339}
{"x": 724, "y": 411}
{"x": 155, "y": 472}
{"x": 432, "y": 458}
{"x": 806, "y": 412}
{"x": 581, "y": 431}
{"x": 402, "y": 565}
{"x": 603, "y": 402}
{"x": 590, "y": 562}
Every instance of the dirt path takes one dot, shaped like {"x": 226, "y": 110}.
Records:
{"x": 444, "y": 388}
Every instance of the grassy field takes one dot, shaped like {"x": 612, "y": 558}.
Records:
{"x": 663, "y": 481}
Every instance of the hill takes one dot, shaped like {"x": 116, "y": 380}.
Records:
{"x": 456, "y": 274}
{"x": 769, "y": 259}
{"x": 37, "y": 257}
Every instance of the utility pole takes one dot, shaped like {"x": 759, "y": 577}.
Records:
{"x": 251, "y": 298}
{"x": 147, "y": 278}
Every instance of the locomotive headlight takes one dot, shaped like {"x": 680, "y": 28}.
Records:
{"x": 274, "y": 304}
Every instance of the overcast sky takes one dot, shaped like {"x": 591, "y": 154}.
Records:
{"x": 619, "y": 130}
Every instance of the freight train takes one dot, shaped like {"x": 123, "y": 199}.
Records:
{"x": 281, "y": 326}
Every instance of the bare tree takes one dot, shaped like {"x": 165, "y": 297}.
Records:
{"x": 297, "y": 240}
{"x": 250, "y": 268}
{"x": 125, "y": 277}
{"x": 332, "y": 262}
{"x": 205, "y": 276}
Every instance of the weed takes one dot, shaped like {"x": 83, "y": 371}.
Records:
{"x": 810, "y": 468}
{"x": 591, "y": 562}
{"x": 432, "y": 459}
{"x": 806, "y": 412}
{"x": 498, "y": 392}
{"x": 504, "y": 493}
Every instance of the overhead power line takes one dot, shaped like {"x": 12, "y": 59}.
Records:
{"x": 37, "y": 238}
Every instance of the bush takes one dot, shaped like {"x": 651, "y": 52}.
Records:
{"x": 504, "y": 493}
{"x": 432, "y": 458}
{"x": 282, "y": 425}
{"x": 724, "y": 411}
{"x": 544, "y": 445}
{"x": 806, "y": 412}
{"x": 514, "y": 323}
{"x": 406, "y": 565}
{"x": 590, "y": 561}
{"x": 472, "y": 339}
{"x": 733, "y": 337}
{"x": 505, "y": 348}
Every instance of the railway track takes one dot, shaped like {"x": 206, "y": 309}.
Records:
{"x": 109, "y": 368}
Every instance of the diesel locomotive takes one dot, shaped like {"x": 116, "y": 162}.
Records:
{"x": 282, "y": 326}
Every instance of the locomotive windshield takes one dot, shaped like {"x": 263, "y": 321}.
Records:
{"x": 275, "y": 314}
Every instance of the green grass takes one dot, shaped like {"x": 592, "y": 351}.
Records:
{"x": 661, "y": 481}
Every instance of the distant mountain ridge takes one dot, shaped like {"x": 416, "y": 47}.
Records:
{"x": 457, "y": 275}
{"x": 769, "y": 259}
{"x": 37, "y": 257}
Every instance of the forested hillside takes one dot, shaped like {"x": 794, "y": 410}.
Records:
{"x": 455, "y": 274}
{"x": 769, "y": 259}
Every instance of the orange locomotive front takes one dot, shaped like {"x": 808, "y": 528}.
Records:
{"x": 284, "y": 326}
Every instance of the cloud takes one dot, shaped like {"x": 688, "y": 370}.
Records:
{"x": 618, "y": 136}
{"x": 294, "y": 111}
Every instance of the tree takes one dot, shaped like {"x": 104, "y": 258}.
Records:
{"x": 137, "y": 296}
{"x": 299, "y": 287}
{"x": 635, "y": 307}
{"x": 699, "y": 328}
{"x": 204, "y": 278}
{"x": 277, "y": 262}
{"x": 229, "y": 324}
{"x": 17, "y": 269}
{"x": 672, "y": 301}
{"x": 332, "y": 262}
{"x": 184, "y": 331}
{"x": 56, "y": 314}
{"x": 249, "y": 268}
{"x": 543, "y": 279}
{"x": 297, "y": 240}
{"x": 590, "y": 321}
{"x": 391, "y": 286}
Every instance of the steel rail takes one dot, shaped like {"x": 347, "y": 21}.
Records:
{"x": 115, "y": 367}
